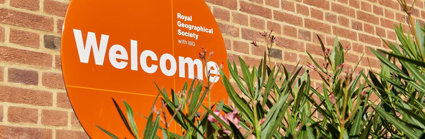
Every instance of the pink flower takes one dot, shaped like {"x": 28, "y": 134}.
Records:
{"x": 229, "y": 117}
{"x": 227, "y": 131}
{"x": 212, "y": 118}
{"x": 363, "y": 95}
{"x": 234, "y": 118}
{"x": 332, "y": 98}
{"x": 262, "y": 121}
{"x": 311, "y": 66}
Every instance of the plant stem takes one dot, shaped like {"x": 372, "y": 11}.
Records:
{"x": 256, "y": 123}
{"x": 341, "y": 134}
{"x": 344, "y": 108}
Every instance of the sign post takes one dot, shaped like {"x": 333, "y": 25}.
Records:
{"x": 119, "y": 49}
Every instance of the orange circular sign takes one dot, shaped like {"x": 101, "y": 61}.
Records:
{"x": 119, "y": 49}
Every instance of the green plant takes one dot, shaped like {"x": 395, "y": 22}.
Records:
{"x": 401, "y": 83}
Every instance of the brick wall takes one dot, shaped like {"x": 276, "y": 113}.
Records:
{"x": 33, "y": 102}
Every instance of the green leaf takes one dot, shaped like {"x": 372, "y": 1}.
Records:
{"x": 151, "y": 127}
{"x": 130, "y": 117}
{"x": 420, "y": 35}
{"x": 400, "y": 126}
{"x": 107, "y": 132}
{"x": 123, "y": 117}
{"x": 240, "y": 103}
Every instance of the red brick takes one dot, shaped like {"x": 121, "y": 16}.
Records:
{"x": 229, "y": 29}
{"x": 1, "y": 113}
{"x": 358, "y": 47}
{"x": 69, "y": 134}
{"x": 353, "y": 58}
{"x": 367, "y": 17}
{"x": 369, "y": 62}
{"x": 28, "y": 77}
{"x": 288, "y": 18}
{"x": 330, "y": 17}
{"x": 289, "y": 31}
{"x": 239, "y": 18}
{"x": 221, "y": 13}
{"x": 304, "y": 35}
{"x": 255, "y": 9}
{"x": 54, "y": 118}
{"x": 366, "y": 6}
{"x": 25, "y": 57}
{"x": 343, "y": 21}
{"x": 241, "y": 47}
{"x": 251, "y": 35}
{"x": 33, "y": 5}
{"x": 304, "y": 10}
{"x": 288, "y": 5}
{"x": 275, "y": 27}
{"x": 372, "y": 40}
{"x": 232, "y": 4}
{"x": 388, "y": 23}
{"x": 356, "y": 25}
{"x": 369, "y": 28}
{"x": 22, "y": 115}
{"x": 25, "y": 96}
{"x": 62, "y": 100}
{"x": 345, "y": 33}
{"x": 338, "y": 8}
{"x": 319, "y": 26}
{"x": 389, "y": 14}
{"x": 314, "y": 49}
{"x": 1, "y": 74}
{"x": 324, "y": 4}
{"x": 251, "y": 61}
{"x": 258, "y": 50}
{"x": 392, "y": 4}
{"x": 343, "y": 1}
{"x": 28, "y": 20}
{"x": 355, "y": 3}
{"x": 9, "y": 132}
{"x": 53, "y": 80}
{"x": 58, "y": 64}
{"x": 258, "y": 1}
{"x": 290, "y": 57}
{"x": 228, "y": 44}
{"x": 233, "y": 58}
{"x": 74, "y": 120}
{"x": 59, "y": 25}
{"x": 290, "y": 44}
{"x": 391, "y": 35}
{"x": 378, "y": 10}
{"x": 380, "y": 32}
{"x": 55, "y": 7}
{"x": 274, "y": 3}
{"x": 257, "y": 23}
{"x": 24, "y": 38}
{"x": 2, "y": 34}
{"x": 318, "y": 14}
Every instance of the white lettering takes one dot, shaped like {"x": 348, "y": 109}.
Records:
{"x": 212, "y": 68}
{"x": 143, "y": 57}
{"x": 163, "y": 64}
{"x": 113, "y": 56}
{"x": 134, "y": 55}
{"x": 118, "y": 57}
{"x": 191, "y": 65}
{"x": 84, "y": 51}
